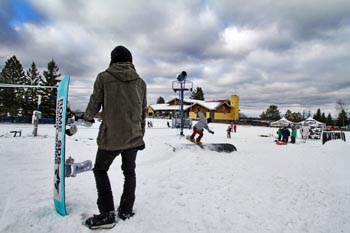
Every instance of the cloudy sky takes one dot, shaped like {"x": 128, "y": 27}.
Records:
{"x": 291, "y": 53}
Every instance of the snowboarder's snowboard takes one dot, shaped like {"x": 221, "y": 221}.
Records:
{"x": 60, "y": 162}
{"x": 218, "y": 147}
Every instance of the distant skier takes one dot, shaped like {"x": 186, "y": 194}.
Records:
{"x": 199, "y": 127}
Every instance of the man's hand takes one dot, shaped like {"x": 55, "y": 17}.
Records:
{"x": 81, "y": 117}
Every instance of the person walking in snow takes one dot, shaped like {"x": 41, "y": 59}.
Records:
{"x": 294, "y": 135}
{"x": 199, "y": 127}
{"x": 229, "y": 130}
{"x": 121, "y": 94}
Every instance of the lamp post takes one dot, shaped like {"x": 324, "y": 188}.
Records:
{"x": 181, "y": 85}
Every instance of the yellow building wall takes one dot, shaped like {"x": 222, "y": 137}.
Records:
{"x": 223, "y": 116}
{"x": 232, "y": 115}
{"x": 192, "y": 115}
{"x": 234, "y": 99}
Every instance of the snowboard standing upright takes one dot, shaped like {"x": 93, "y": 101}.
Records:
{"x": 59, "y": 175}
{"x": 65, "y": 167}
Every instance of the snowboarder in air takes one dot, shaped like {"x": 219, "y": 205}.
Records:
{"x": 199, "y": 127}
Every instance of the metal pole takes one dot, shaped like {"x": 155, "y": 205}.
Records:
{"x": 182, "y": 110}
{"x": 35, "y": 118}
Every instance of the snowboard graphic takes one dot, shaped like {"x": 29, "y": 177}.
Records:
{"x": 62, "y": 167}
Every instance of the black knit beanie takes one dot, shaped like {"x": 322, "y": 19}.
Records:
{"x": 120, "y": 54}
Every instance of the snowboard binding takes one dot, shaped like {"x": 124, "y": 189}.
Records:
{"x": 72, "y": 169}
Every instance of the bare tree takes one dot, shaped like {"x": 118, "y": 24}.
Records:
{"x": 342, "y": 108}
{"x": 340, "y": 105}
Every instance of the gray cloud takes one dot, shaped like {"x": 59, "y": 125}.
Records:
{"x": 294, "y": 54}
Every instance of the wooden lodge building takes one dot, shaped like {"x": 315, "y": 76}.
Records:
{"x": 218, "y": 110}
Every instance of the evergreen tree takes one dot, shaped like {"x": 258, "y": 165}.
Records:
{"x": 293, "y": 116}
{"x": 317, "y": 116}
{"x": 329, "y": 120}
{"x": 297, "y": 117}
{"x": 48, "y": 103}
{"x": 323, "y": 118}
{"x": 342, "y": 119}
{"x": 288, "y": 115}
{"x": 272, "y": 113}
{"x": 197, "y": 94}
{"x": 160, "y": 100}
{"x": 33, "y": 78}
{"x": 11, "y": 98}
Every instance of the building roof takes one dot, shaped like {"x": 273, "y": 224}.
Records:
{"x": 211, "y": 105}
{"x": 167, "y": 107}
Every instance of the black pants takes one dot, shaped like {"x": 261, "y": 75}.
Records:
{"x": 292, "y": 139}
{"x": 103, "y": 161}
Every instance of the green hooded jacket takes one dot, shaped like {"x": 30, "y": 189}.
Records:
{"x": 121, "y": 94}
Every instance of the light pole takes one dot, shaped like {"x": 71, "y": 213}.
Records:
{"x": 181, "y": 85}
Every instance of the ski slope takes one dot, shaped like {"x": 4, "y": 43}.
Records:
{"x": 261, "y": 188}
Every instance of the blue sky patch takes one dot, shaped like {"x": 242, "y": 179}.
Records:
{"x": 23, "y": 12}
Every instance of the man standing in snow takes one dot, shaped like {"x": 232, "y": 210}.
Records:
{"x": 199, "y": 127}
{"x": 121, "y": 94}
{"x": 294, "y": 135}
{"x": 285, "y": 134}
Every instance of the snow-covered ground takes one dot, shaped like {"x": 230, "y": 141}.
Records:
{"x": 261, "y": 188}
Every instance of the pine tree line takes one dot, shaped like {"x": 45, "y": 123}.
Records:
{"x": 22, "y": 101}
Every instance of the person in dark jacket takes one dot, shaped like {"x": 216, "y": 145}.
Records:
{"x": 285, "y": 134}
{"x": 121, "y": 94}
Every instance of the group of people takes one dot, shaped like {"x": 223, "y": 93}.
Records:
{"x": 284, "y": 134}
{"x": 230, "y": 128}
{"x": 150, "y": 124}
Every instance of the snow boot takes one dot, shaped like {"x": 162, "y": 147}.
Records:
{"x": 124, "y": 216}
{"x": 101, "y": 221}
